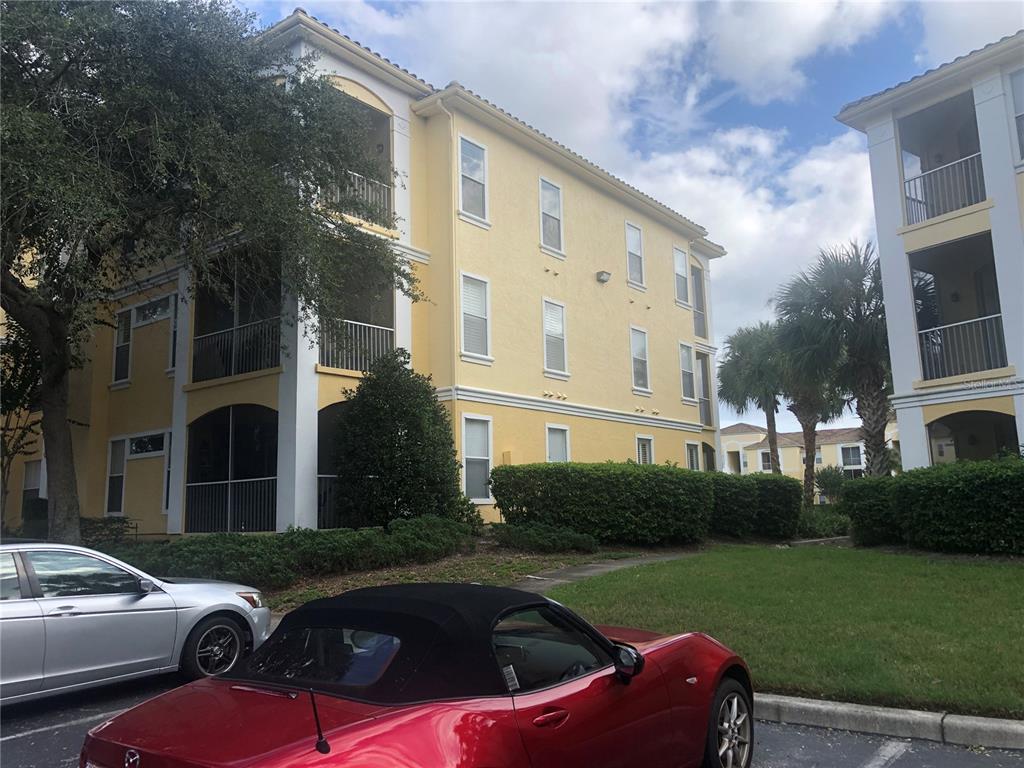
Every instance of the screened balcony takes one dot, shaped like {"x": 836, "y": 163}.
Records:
{"x": 358, "y": 342}
{"x": 941, "y": 159}
{"x": 368, "y": 196}
{"x": 956, "y": 298}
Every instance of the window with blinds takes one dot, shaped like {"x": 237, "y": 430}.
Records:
{"x": 115, "y": 478}
{"x": 634, "y": 255}
{"x": 692, "y": 456}
{"x": 475, "y": 316}
{"x": 645, "y": 450}
{"x": 555, "y": 357}
{"x": 473, "y": 167}
{"x": 558, "y": 443}
{"x": 123, "y": 346}
{"x": 700, "y": 310}
{"x": 476, "y": 457}
{"x": 682, "y": 289}
{"x": 686, "y": 371}
{"x": 550, "y": 215}
{"x": 638, "y": 348}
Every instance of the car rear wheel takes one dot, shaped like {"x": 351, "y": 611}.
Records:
{"x": 730, "y": 742}
{"x": 213, "y": 647}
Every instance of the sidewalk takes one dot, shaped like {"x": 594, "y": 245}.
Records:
{"x": 546, "y": 580}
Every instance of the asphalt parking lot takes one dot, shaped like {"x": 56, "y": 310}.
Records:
{"x": 49, "y": 734}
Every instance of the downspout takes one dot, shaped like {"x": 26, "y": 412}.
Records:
{"x": 456, "y": 340}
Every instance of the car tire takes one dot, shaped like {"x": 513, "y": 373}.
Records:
{"x": 730, "y": 739}
{"x": 214, "y": 646}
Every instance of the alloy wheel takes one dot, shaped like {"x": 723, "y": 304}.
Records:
{"x": 218, "y": 649}
{"x": 734, "y": 732}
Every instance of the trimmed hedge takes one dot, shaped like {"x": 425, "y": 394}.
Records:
{"x": 542, "y": 538}
{"x": 968, "y": 506}
{"x": 735, "y": 510}
{"x": 273, "y": 561}
{"x": 779, "y": 499}
{"x": 616, "y": 503}
{"x": 822, "y": 521}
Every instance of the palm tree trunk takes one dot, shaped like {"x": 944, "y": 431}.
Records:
{"x": 873, "y": 409}
{"x": 808, "y": 418}
{"x": 773, "y": 441}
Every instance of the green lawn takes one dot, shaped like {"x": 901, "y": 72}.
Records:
{"x": 845, "y": 624}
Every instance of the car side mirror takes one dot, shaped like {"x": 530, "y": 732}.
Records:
{"x": 629, "y": 662}
{"x": 146, "y": 586}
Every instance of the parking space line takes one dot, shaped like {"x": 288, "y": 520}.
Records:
{"x": 887, "y": 754}
{"x": 58, "y": 726}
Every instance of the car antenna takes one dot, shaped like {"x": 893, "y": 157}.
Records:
{"x": 321, "y": 743}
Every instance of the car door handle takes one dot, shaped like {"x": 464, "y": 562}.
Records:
{"x": 64, "y": 610}
{"x": 551, "y": 719}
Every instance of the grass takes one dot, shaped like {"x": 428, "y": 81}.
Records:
{"x": 497, "y": 567}
{"x": 865, "y": 626}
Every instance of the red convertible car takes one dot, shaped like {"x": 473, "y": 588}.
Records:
{"x": 448, "y": 676}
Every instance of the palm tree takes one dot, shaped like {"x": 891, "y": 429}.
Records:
{"x": 810, "y": 385}
{"x": 750, "y": 376}
{"x": 840, "y": 298}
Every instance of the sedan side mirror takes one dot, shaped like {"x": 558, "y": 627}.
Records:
{"x": 629, "y": 662}
{"x": 146, "y": 586}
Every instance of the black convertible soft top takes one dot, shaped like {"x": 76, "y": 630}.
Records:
{"x": 444, "y": 630}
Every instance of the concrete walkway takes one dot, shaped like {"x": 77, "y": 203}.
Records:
{"x": 545, "y": 580}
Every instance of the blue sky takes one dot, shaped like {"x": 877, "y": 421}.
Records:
{"x": 724, "y": 111}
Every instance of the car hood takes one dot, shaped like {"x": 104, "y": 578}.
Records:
{"x": 176, "y": 583}
{"x": 636, "y": 637}
{"x": 227, "y": 724}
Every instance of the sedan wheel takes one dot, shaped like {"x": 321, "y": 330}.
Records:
{"x": 730, "y": 739}
{"x": 218, "y": 649}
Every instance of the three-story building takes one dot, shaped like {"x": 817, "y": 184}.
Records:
{"x": 947, "y": 168}
{"x": 568, "y": 318}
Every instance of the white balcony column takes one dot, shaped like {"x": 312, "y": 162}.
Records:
{"x": 887, "y": 188}
{"x": 915, "y": 450}
{"x": 296, "y": 423}
{"x": 997, "y": 157}
{"x": 179, "y": 408}
{"x": 403, "y": 213}
{"x": 1018, "y": 409}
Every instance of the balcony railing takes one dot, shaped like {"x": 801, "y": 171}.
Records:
{"x": 375, "y": 194}
{"x": 967, "y": 347}
{"x": 243, "y": 349}
{"x": 326, "y": 502}
{"x": 231, "y": 505}
{"x": 355, "y": 346}
{"x": 946, "y": 188}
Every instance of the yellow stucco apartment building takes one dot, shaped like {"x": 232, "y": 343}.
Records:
{"x": 947, "y": 170}
{"x": 568, "y": 319}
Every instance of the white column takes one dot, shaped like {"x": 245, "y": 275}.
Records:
{"x": 886, "y": 186}
{"x": 997, "y": 162}
{"x": 179, "y": 428}
{"x": 1018, "y": 409}
{"x": 296, "y": 425}
{"x": 915, "y": 450}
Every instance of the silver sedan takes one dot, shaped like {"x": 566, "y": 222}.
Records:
{"x": 72, "y": 618}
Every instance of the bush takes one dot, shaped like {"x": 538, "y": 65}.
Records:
{"x": 821, "y": 521}
{"x": 830, "y": 481}
{"x": 779, "y": 499}
{"x": 868, "y": 504}
{"x": 616, "y": 503}
{"x": 542, "y": 538}
{"x": 735, "y": 507}
{"x": 96, "y": 531}
{"x": 274, "y": 561}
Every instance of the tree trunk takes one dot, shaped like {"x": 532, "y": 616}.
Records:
{"x": 773, "y": 441}
{"x": 808, "y": 418}
{"x": 873, "y": 409}
{"x": 61, "y": 483}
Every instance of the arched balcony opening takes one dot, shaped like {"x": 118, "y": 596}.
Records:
{"x": 326, "y": 469}
{"x": 972, "y": 435}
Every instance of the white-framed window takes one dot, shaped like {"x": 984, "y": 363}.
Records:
{"x": 693, "y": 456}
{"x": 123, "y": 346}
{"x": 30, "y": 488}
{"x": 153, "y": 311}
{"x": 851, "y": 456}
{"x": 638, "y": 351}
{"x": 476, "y": 301}
{"x": 557, "y": 442}
{"x": 644, "y": 449}
{"x": 146, "y": 445}
{"x": 686, "y": 371}
{"x": 1017, "y": 88}
{"x": 743, "y": 461}
{"x": 476, "y": 457}
{"x": 700, "y": 309}
{"x": 679, "y": 259}
{"x": 634, "y": 255}
{"x": 817, "y": 456}
{"x": 115, "y": 477}
{"x": 556, "y": 355}
{"x": 551, "y": 216}
{"x": 766, "y": 461}
{"x": 473, "y": 173}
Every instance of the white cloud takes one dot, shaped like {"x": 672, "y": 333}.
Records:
{"x": 952, "y": 29}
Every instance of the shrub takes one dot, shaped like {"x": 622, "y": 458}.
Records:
{"x": 96, "y": 531}
{"x": 829, "y": 481}
{"x": 821, "y": 521}
{"x": 616, "y": 503}
{"x": 274, "y": 561}
{"x": 395, "y": 454}
{"x": 735, "y": 506}
{"x": 873, "y": 520}
{"x": 779, "y": 499}
{"x": 542, "y": 538}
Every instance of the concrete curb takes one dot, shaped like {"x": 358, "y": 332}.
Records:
{"x": 986, "y": 732}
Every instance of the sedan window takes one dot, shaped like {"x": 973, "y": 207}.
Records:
{"x": 69, "y": 574}
{"x": 538, "y": 648}
{"x": 9, "y": 587}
